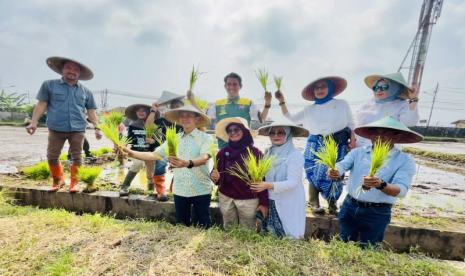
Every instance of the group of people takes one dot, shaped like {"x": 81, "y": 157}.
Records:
{"x": 276, "y": 204}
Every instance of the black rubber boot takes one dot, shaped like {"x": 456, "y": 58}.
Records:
{"x": 314, "y": 200}
{"x": 124, "y": 190}
{"x": 332, "y": 209}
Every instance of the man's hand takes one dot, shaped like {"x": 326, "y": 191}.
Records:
{"x": 31, "y": 128}
{"x": 215, "y": 176}
{"x": 333, "y": 174}
{"x": 178, "y": 163}
{"x": 413, "y": 92}
{"x": 98, "y": 134}
{"x": 371, "y": 182}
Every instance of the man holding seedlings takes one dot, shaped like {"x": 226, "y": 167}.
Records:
{"x": 379, "y": 174}
{"x": 234, "y": 105}
{"x": 67, "y": 103}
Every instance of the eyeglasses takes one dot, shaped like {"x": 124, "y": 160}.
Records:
{"x": 232, "y": 130}
{"x": 278, "y": 133}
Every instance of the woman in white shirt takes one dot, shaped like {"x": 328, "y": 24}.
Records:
{"x": 327, "y": 116}
{"x": 391, "y": 97}
{"x": 284, "y": 181}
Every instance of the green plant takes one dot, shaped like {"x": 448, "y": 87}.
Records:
{"x": 254, "y": 169}
{"x": 213, "y": 153}
{"x": 114, "y": 118}
{"x": 262, "y": 76}
{"x": 88, "y": 175}
{"x": 155, "y": 132}
{"x": 328, "y": 152}
{"x": 379, "y": 156}
{"x": 39, "y": 171}
{"x": 278, "y": 81}
{"x": 194, "y": 77}
{"x": 172, "y": 141}
{"x": 111, "y": 132}
{"x": 201, "y": 104}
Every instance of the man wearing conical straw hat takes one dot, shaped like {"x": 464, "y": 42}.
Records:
{"x": 67, "y": 103}
{"x": 366, "y": 210}
{"x": 191, "y": 177}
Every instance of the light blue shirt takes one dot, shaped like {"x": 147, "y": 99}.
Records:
{"x": 398, "y": 170}
{"x": 195, "y": 181}
{"x": 66, "y": 105}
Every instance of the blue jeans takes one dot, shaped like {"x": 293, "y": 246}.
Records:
{"x": 160, "y": 167}
{"x": 201, "y": 205}
{"x": 363, "y": 224}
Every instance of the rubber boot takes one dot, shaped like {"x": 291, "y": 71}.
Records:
{"x": 315, "y": 200}
{"x": 74, "y": 180}
{"x": 57, "y": 175}
{"x": 332, "y": 209}
{"x": 159, "y": 181}
{"x": 124, "y": 190}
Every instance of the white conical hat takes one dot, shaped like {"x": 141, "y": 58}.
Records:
{"x": 167, "y": 96}
{"x": 297, "y": 131}
{"x": 173, "y": 115}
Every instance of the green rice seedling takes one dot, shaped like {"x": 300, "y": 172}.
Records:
{"x": 111, "y": 132}
{"x": 201, "y": 104}
{"x": 114, "y": 118}
{"x": 154, "y": 132}
{"x": 278, "y": 82}
{"x": 194, "y": 77}
{"x": 254, "y": 169}
{"x": 327, "y": 155}
{"x": 39, "y": 171}
{"x": 213, "y": 153}
{"x": 379, "y": 156}
{"x": 63, "y": 156}
{"x": 88, "y": 175}
{"x": 172, "y": 140}
{"x": 262, "y": 76}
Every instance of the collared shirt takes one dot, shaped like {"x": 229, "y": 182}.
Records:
{"x": 398, "y": 170}
{"x": 324, "y": 119}
{"x": 195, "y": 181}
{"x": 66, "y": 105}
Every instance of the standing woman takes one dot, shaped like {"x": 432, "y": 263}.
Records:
{"x": 327, "y": 116}
{"x": 391, "y": 97}
{"x": 238, "y": 203}
{"x": 284, "y": 180}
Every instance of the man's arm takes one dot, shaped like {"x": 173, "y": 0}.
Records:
{"x": 93, "y": 118}
{"x": 38, "y": 111}
{"x": 266, "y": 107}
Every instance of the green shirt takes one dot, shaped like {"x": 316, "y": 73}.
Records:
{"x": 195, "y": 181}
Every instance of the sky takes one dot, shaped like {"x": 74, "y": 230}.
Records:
{"x": 141, "y": 47}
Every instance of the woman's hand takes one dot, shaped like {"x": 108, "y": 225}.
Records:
{"x": 215, "y": 176}
{"x": 333, "y": 174}
{"x": 177, "y": 163}
{"x": 279, "y": 96}
{"x": 261, "y": 186}
{"x": 149, "y": 140}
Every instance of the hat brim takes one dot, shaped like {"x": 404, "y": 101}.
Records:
{"x": 406, "y": 137}
{"x": 220, "y": 128}
{"x": 131, "y": 111}
{"x": 167, "y": 97}
{"x": 371, "y": 79}
{"x": 340, "y": 85}
{"x": 295, "y": 130}
{"x": 173, "y": 116}
{"x": 56, "y": 64}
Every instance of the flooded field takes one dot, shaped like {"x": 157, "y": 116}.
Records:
{"x": 436, "y": 192}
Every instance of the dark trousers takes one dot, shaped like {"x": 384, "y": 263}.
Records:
{"x": 363, "y": 224}
{"x": 201, "y": 207}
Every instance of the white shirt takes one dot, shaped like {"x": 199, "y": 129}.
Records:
{"x": 373, "y": 111}
{"x": 289, "y": 197}
{"x": 211, "y": 112}
{"x": 324, "y": 119}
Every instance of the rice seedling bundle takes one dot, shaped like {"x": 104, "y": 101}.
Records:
{"x": 253, "y": 169}
{"x": 155, "y": 132}
{"x": 194, "y": 77}
{"x": 328, "y": 152}
{"x": 201, "y": 104}
{"x": 88, "y": 175}
{"x": 39, "y": 171}
{"x": 278, "y": 82}
{"x": 379, "y": 156}
{"x": 114, "y": 118}
{"x": 111, "y": 132}
{"x": 213, "y": 153}
{"x": 172, "y": 141}
{"x": 262, "y": 76}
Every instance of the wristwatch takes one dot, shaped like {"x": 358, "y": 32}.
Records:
{"x": 191, "y": 164}
{"x": 382, "y": 185}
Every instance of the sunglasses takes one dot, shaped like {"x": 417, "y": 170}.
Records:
{"x": 381, "y": 85}
{"x": 232, "y": 130}
{"x": 278, "y": 133}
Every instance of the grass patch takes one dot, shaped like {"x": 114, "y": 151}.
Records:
{"x": 448, "y": 157}
{"x": 57, "y": 242}
{"x": 39, "y": 171}
{"x": 443, "y": 139}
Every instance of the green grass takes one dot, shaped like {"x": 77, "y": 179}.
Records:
{"x": 454, "y": 157}
{"x": 38, "y": 171}
{"x": 56, "y": 242}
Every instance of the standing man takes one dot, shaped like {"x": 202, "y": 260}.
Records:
{"x": 234, "y": 105}
{"x": 67, "y": 103}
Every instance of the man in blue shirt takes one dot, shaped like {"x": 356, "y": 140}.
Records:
{"x": 366, "y": 210}
{"x": 68, "y": 103}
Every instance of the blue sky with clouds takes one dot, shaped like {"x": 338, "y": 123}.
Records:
{"x": 144, "y": 47}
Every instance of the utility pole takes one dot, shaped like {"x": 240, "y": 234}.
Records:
{"x": 432, "y": 105}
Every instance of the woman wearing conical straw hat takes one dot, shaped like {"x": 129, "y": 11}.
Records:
{"x": 391, "y": 97}
{"x": 326, "y": 116}
{"x": 284, "y": 181}
{"x": 365, "y": 215}
{"x": 238, "y": 203}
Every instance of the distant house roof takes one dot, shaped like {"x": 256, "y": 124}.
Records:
{"x": 458, "y": 122}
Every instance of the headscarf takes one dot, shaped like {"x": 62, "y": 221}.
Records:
{"x": 393, "y": 91}
{"x": 328, "y": 97}
{"x": 282, "y": 152}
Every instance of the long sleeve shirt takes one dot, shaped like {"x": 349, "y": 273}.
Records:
{"x": 398, "y": 170}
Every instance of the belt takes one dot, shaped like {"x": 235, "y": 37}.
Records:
{"x": 365, "y": 204}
